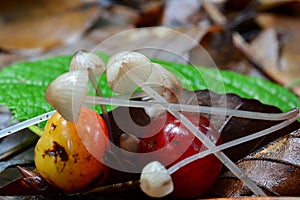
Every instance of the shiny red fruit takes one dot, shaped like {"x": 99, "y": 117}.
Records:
{"x": 168, "y": 141}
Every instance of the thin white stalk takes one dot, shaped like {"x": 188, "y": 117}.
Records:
{"x": 209, "y": 144}
{"x": 25, "y": 124}
{"x": 232, "y": 143}
{"x": 117, "y": 101}
{"x": 92, "y": 100}
{"x": 94, "y": 82}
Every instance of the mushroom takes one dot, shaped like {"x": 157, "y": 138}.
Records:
{"x": 129, "y": 142}
{"x": 155, "y": 180}
{"x": 67, "y": 93}
{"x": 121, "y": 64}
{"x": 85, "y": 60}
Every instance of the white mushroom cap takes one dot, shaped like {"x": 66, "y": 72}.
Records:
{"x": 121, "y": 64}
{"x": 155, "y": 180}
{"x": 85, "y": 60}
{"x": 67, "y": 93}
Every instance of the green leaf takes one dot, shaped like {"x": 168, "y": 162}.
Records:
{"x": 22, "y": 85}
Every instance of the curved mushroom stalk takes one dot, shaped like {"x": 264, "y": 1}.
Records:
{"x": 289, "y": 116}
{"x": 232, "y": 143}
{"x": 67, "y": 93}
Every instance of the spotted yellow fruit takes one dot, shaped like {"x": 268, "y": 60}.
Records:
{"x": 62, "y": 158}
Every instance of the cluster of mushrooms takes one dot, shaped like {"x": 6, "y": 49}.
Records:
{"x": 125, "y": 72}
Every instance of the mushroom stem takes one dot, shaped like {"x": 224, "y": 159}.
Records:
{"x": 232, "y": 143}
{"x": 102, "y": 106}
{"x": 193, "y": 108}
{"x": 209, "y": 144}
{"x": 91, "y": 100}
{"x": 25, "y": 124}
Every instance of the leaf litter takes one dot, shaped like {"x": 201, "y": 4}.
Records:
{"x": 259, "y": 42}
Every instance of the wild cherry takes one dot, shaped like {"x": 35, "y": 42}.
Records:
{"x": 174, "y": 142}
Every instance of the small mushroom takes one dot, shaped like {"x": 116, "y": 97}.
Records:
{"x": 129, "y": 143}
{"x": 155, "y": 180}
{"x": 121, "y": 65}
{"x": 67, "y": 93}
{"x": 85, "y": 60}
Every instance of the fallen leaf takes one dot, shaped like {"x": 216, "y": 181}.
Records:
{"x": 156, "y": 42}
{"x": 174, "y": 18}
{"x": 267, "y": 4}
{"x": 256, "y": 198}
{"x": 274, "y": 167}
{"x": 287, "y": 70}
{"x": 35, "y": 26}
{"x": 265, "y": 47}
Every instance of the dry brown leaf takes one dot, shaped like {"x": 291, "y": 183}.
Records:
{"x": 34, "y": 26}
{"x": 288, "y": 69}
{"x": 258, "y": 198}
{"x": 275, "y": 168}
{"x": 265, "y": 48}
{"x": 174, "y": 18}
{"x": 267, "y": 4}
{"x": 176, "y": 43}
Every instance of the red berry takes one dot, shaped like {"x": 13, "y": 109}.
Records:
{"x": 173, "y": 142}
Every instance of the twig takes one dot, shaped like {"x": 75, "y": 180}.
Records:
{"x": 114, "y": 187}
{"x": 19, "y": 148}
{"x": 216, "y": 16}
{"x": 238, "y": 41}
{"x": 244, "y": 47}
{"x": 6, "y": 164}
